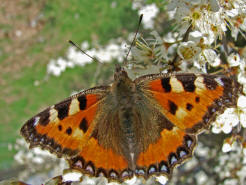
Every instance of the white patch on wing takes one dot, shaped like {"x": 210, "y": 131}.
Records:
{"x": 176, "y": 85}
{"x": 181, "y": 113}
{"x": 77, "y": 133}
{"x": 200, "y": 86}
{"x": 74, "y": 107}
{"x": 53, "y": 115}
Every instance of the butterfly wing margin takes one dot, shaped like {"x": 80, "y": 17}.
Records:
{"x": 65, "y": 127}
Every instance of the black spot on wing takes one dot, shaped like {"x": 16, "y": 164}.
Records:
{"x": 187, "y": 82}
{"x": 44, "y": 117}
{"x": 82, "y": 102}
{"x": 189, "y": 106}
{"x": 83, "y": 125}
{"x": 59, "y": 127}
{"x": 62, "y": 109}
{"x": 197, "y": 99}
{"x": 172, "y": 107}
{"x": 69, "y": 131}
{"x": 165, "y": 82}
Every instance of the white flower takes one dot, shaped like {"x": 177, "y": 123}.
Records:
{"x": 162, "y": 179}
{"x": 76, "y": 58}
{"x": 195, "y": 36}
{"x": 244, "y": 152}
{"x": 201, "y": 177}
{"x": 149, "y": 13}
{"x": 210, "y": 56}
{"x": 241, "y": 103}
{"x": 61, "y": 63}
{"x": 226, "y": 147}
{"x": 226, "y": 121}
{"x": 242, "y": 72}
{"x": 52, "y": 68}
{"x": 243, "y": 25}
{"x": 85, "y": 45}
{"x": 243, "y": 119}
{"x": 188, "y": 50}
{"x": 71, "y": 176}
{"x": 131, "y": 181}
{"x": 233, "y": 59}
{"x": 214, "y": 4}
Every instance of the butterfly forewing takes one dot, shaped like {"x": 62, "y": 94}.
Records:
{"x": 64, "y": 127}
{"x": 190, "y": 101}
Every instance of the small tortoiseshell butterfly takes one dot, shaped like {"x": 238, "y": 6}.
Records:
{"x": 143, "y": 127}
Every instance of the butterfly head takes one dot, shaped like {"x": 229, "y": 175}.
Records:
{"x": 122, "y": 82}
{"x": 120, "y": 74}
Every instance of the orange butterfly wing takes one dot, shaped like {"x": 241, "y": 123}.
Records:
{"x": 190, "y": 103}
{"x": 66, "y": 129}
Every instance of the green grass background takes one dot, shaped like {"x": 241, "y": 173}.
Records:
{"x": 77, "y": 20}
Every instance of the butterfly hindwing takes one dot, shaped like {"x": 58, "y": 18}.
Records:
{"x": 98, "y": 161}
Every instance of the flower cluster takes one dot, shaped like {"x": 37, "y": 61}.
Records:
{"x": 114, "y": 50}
{"x": 30, "y": 158}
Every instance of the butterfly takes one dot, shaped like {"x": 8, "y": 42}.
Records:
{"x": 139, "y": 127}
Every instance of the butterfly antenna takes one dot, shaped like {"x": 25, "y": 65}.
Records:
{"x": 75, "y": 45}
{"x": 139, "y": 23}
